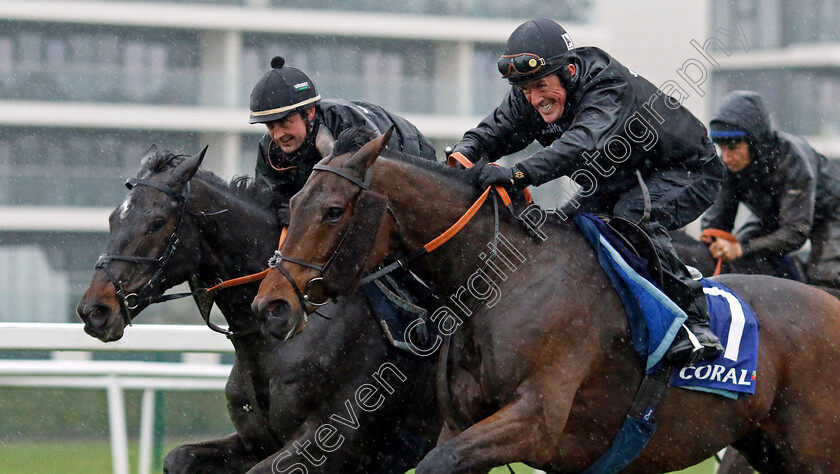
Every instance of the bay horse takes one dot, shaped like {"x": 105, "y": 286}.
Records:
{"x": 280, "y": 393}
{"x": 541, "y": 368}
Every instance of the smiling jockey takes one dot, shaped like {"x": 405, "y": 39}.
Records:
{"x": 600, "y": 122}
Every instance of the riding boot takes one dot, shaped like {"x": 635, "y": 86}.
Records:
{"x": 695, "y": 341}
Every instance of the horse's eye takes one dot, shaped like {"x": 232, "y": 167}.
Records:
{"x": 333, "y": 214}
{"x": 156, "y": 225}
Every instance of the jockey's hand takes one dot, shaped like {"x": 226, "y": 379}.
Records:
{"x": 725, "y": 250}
{"x": 513, "y": 179}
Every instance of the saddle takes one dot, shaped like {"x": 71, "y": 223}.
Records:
{"x": 637, "y": 241}
{"x": 398, "y": 301}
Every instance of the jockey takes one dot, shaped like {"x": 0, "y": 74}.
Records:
{"x": 793, "y": 191}
{"x": 600, "y": 122}
{"x": 286, "y": 101}
{"x": 297, "y": 119}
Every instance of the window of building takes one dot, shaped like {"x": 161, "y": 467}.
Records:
{"x": 393, "y": 74}
{"x": 801, "y": 101}
{"x": 576, "y": 10}
{"x": 68, "y": 167}
{"x": 42, "y": 61}
{"x": 489, "y": 87}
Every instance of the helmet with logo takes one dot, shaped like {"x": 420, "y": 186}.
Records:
{"x": 536, "y": 49}
{"x": 281, "y": 92}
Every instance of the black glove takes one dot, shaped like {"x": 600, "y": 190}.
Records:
{"x": 513, "y": 179}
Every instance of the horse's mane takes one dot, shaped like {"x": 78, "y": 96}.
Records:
{"x": 352, "y": 139}
{"x": 242, "y": 186}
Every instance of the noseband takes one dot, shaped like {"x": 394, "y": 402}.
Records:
{"x": 131, "y": 301}
{"x": 344, "y": 267}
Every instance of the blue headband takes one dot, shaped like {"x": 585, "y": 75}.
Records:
{"x": 727, "y": 133}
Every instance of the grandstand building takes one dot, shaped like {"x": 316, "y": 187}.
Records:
{"x": 87, "y": 86}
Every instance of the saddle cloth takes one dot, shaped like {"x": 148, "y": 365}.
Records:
{"x": 734, "y": 322}
{"x": 654, "y": 319}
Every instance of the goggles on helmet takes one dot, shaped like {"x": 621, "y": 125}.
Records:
{"x": 521, "y": 64}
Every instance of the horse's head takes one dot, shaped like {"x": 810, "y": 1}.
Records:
{"x": 338, "y": 230}
{"x": 144, "y": 233}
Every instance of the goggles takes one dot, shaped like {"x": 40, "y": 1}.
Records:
{"x": 520, "y": 64}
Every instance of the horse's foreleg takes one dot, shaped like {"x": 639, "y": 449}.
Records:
{"x": 517, "y": 432}
{"x": 302, "y": 454}
{"x": 224, "y": 455}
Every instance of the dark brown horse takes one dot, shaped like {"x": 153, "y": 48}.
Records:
{"x": 284, "y": 398}
{"x": 541, "y": 365}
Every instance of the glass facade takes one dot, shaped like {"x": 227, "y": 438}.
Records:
{"x": 488, "y": 87}
{"x": 58, "y": 268}
{"x": 778, "y": 23}
{"x": 801, "y": 101}
{"x": 577, "y": 10}
{"x": 71, "y": 167}
{"x": 394, "y": 74}
{"x": 52, "y": 62}
{"x": 59, "y": 62}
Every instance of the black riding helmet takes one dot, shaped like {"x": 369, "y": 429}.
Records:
{"x": 536, "y": 49}
{"x": 281, "y": 92}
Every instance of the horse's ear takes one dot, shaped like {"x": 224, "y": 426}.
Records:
{"x": 147, "y": 155}
{"x": 367, "y": 155}
{"x": 186, "y": 170}
{"x": 324, "y": 142}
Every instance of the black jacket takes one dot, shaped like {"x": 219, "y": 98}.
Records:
{"x": 787, "y": 185}
{"x": 607, "y": 105}
{"x": 336, "y": 115}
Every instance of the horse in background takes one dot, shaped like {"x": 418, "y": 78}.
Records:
{"x": 179, "y": 223}
{"x": 541, "y": 367}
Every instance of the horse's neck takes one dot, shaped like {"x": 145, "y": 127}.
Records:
{"x": 429, "y": 203}
{"x": 235, "y": 243}
{"x": 242, "y": 237}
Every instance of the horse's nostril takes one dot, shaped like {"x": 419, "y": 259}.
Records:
{"x": 100, "y": 312}
{"x": 277, "y": 308}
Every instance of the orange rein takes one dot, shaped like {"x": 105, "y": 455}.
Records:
{"x": 432, "y": 245}
{"x": 719, "y": 234}
{"x": 249, "y": 278}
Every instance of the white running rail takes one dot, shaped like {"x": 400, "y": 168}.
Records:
{"x": 71, "y": 367}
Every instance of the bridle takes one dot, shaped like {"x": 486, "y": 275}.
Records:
{"x": 343, "y": 268}
{"x": 378, "y": 203}
{"x": 131, "y": 301}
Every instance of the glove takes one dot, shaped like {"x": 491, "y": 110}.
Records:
{"x": 513, "y": 179}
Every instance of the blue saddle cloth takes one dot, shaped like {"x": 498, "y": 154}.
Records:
{"x": 733, "y": 373}
{"x": 654, "y": 319}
